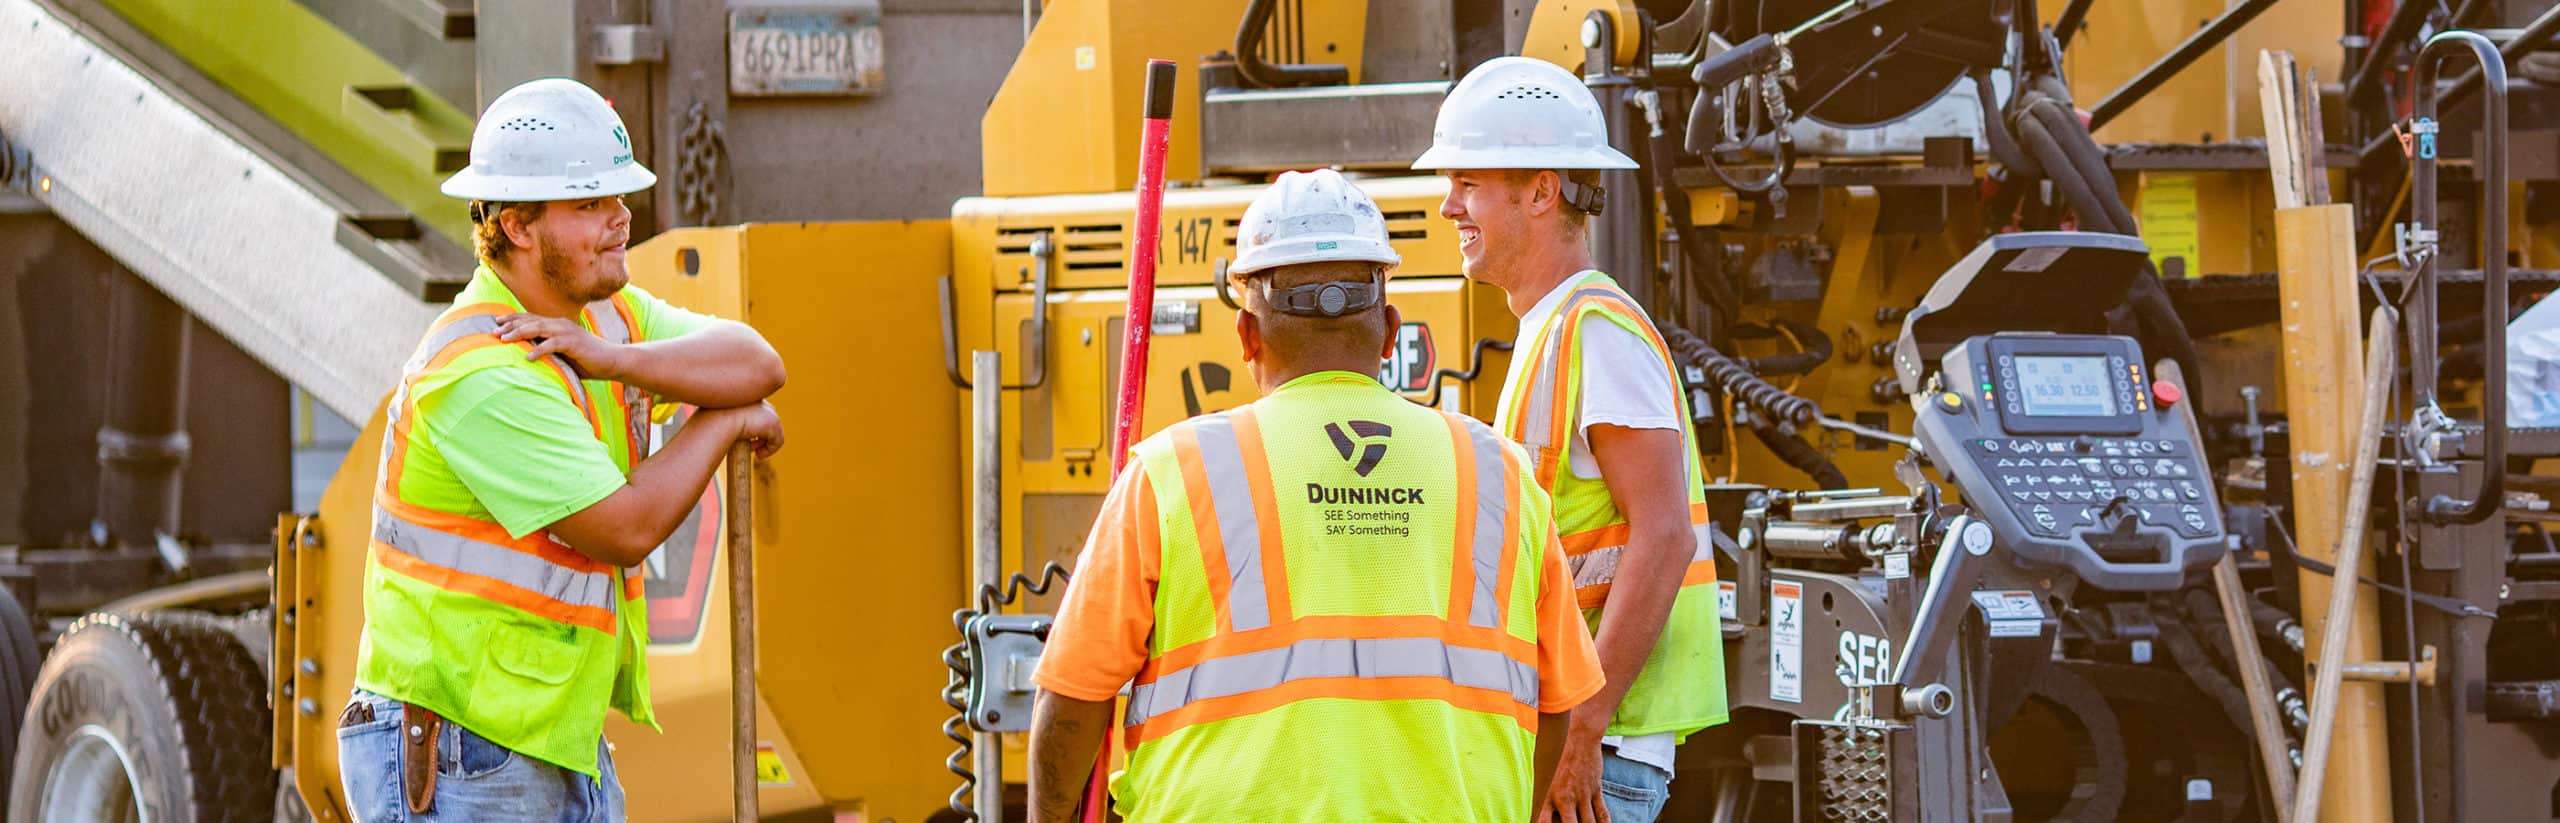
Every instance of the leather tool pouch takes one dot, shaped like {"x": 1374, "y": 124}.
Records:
{"x": 419, "y": 732}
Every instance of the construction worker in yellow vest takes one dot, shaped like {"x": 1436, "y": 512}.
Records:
{"x": 1592, "y": 394}
{"x": 1332, "y": 603}
{"x": 519, "y": 492}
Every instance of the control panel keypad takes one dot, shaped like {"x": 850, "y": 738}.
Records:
{"x": 2060, "y": 485}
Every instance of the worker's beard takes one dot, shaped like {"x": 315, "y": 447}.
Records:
{"x": 562, "y": 275}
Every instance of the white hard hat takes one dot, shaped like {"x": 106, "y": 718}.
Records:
{"x": 1310, "y": 217}
{"x": 549, "y": 139}
{"x": 1521, "y": 113}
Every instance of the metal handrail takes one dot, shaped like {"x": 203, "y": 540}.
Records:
{"x": 2492, "y": 164}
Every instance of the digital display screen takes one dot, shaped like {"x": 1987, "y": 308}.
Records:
{"x": 2066, "y": 387}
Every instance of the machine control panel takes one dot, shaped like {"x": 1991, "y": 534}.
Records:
{"x": 2075, "y": 456}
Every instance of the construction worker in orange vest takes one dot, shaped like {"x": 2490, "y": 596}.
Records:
{"x": 1592, "y": 393}
{"x": 1332, "y": 603}
{"x": 519, "y": 491}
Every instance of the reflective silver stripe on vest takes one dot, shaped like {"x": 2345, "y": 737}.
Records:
{"x": 636, "y": 404}
{"x": 1599, "y": 566}
{"x": 500, "y": 563}
{"x": 1239, "y": 535}
{"x": 608, "y": 322}
{"x": 1493, "y": 510}
{"x": 1309, "y": 659}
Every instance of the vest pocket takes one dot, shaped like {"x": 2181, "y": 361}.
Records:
{"x": 540, "y": 655}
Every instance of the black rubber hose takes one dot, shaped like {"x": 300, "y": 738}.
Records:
{"x": 2190, "y": 657}
{"x": 2086, "y": 158}
{"x": 2004, "y": 147}
{"x": 1801, "y": 455}
{"x": 2066, "y": 177}
{"x": 1817, "y": 351}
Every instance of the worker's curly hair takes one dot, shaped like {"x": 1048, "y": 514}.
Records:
{"x": 489, "y": 237}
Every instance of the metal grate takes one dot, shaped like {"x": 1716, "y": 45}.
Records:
{"x": 1856, "y": 782}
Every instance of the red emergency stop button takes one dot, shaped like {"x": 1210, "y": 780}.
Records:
{"x": 2165, "y": 394}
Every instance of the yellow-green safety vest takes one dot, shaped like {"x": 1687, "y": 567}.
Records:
{"x": 524, "y": 641}
{"x": 1345, "y": 621}
{"x": 1681, "y": 689}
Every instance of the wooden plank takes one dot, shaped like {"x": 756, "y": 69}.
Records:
{"x": 2324, "y": 371}
{"x": 2316, "y": 139}
{"x": 2276, "y": 106}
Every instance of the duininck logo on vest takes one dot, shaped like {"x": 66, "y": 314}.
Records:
{"x": 1363, "y": 510}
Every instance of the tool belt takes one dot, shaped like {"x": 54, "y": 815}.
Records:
{"x": 420, "y": 731}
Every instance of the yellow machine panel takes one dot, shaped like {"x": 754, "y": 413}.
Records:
{"x": 1058, "y": 432}
{"x": 1079, "y": 81}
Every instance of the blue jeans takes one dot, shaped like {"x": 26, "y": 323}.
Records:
{"x": 476, "y": 780}
{"x": 1634, "y": 792}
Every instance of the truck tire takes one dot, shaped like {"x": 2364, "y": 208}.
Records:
{"x": 158, "y": 716}
{"x": 19, "y": 661}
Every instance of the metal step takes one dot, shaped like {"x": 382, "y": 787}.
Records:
{"x": 218, "y": 208}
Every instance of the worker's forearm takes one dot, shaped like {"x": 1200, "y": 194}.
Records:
{"x": 623, "y": 528}
{"x": 1640, "y": 600}
{"x": 727, "y": 364}
{"x": 1066, "y": 735}
{"x": 1550, "y": 749}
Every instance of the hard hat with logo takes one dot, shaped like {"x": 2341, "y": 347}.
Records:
{"x": 1521, "y": 113}
{"x": 1314, "y": 217}
{"x": 549, "y": 139}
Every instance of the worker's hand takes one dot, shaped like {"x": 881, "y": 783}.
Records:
{"x": 757, "y": 425}
{"x": 1574, "y": 796}
{"x": 595, "y": 357}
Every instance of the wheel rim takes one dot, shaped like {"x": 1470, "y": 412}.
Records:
{"x": 92, "y": 781}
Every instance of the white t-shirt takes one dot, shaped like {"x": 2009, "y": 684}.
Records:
{"x": 1624, "y": 383}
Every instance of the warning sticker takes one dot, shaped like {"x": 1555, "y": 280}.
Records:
{"x": 1786, "y": 641}
{"x": 2169, "y": 221}
{"x": 2034, "y": 260}
{"x": 2010, "y": 604}
{"x": 1727, "y": 600}
{"x": 769, "y": 768}
{"x": 2011, "y": 613}
{"x": 1897, "y": 565}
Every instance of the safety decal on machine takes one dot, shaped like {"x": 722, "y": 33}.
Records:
{"x": 1409, "y": 366}
{"x": 1786, "y": 641}
{"x": 2011, "y": 612}
{"x": 1728, "y": 605}
{"x": 769, "y": 768}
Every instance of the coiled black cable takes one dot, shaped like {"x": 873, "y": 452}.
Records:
{"x": 955, "y": 690}
{"x": 1737, "y": 380}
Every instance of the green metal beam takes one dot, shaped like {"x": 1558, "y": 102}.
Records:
{"x": 327, "y": 88}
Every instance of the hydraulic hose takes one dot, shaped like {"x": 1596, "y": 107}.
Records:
{"x": 1801, "y": 455}
{"x": 1817, "y": 351}
{"x": 2191, "y": 658}
{"x": 2004, "y": 147}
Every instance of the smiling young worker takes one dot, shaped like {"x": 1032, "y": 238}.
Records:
{"x": 519, "y": 493}
{"x": 1592, "y": 394}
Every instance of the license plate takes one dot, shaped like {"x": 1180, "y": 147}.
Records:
{"x": 799, "y": 52}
